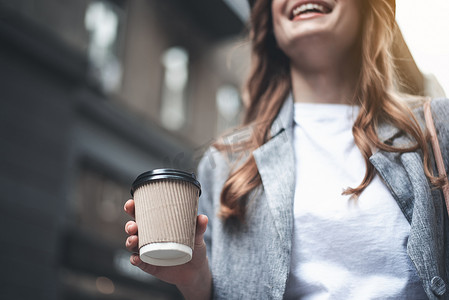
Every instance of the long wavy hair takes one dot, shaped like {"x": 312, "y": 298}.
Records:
{"x": 269, "y": 83}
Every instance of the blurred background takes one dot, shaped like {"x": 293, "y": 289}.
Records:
{"x": 94, "y": 92}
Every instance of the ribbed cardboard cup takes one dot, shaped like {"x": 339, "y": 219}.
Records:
{"x": 166, "y": 207}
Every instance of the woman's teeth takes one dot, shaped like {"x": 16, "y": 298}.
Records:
{"x": 310, "y": 7}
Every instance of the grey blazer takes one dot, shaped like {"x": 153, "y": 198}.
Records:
{"x": 251, "y": 260}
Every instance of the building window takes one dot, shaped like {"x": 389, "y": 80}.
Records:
{"x": 99, "y": 202}
{"x": 173, "y": 111}
{"x": 102, "y": 21}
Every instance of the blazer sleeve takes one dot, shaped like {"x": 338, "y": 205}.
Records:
{"x": 440, "y": 112}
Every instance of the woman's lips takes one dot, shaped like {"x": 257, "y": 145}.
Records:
{"x": 308, "y": 15}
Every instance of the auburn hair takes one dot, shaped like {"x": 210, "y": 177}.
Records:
{"x": 269, "y": 83}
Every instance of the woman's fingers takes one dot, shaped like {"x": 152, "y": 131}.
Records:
{"x": 131, "y": 227}
{"x": 132, "y": 243}
{"x": 136, "y": 261}
{"x": 129, "y": 208}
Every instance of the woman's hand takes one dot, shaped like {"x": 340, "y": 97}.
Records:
{"x": 193, "y": 279}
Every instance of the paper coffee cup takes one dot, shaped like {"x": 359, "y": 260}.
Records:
{"x": 166, "y": 208}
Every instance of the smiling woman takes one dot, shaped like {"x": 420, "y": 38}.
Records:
{"x": 331, "y": 194}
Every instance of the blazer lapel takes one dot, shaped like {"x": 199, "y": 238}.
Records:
{"x": 391, "y": 169}
{"x": 394, "y": 175}
{"x": 276, "y": 165}
{"x": 423, "y": 208}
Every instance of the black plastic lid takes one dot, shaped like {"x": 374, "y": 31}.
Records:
{"x": 159, "y": 174}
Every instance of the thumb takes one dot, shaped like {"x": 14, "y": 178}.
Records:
{"x": 201, "y": 226}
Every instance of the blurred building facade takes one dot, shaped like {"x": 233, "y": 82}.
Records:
{"x": 94, "y": 93}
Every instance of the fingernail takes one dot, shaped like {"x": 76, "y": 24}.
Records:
{"x": 128, "y": 229}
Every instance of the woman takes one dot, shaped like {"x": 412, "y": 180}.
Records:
{"x": 337, "y": 198}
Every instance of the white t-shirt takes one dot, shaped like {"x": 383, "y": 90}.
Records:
{"x": 343, "y": 249}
